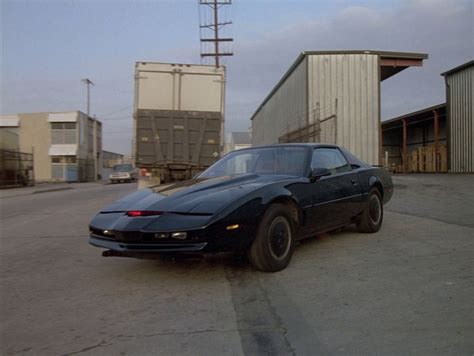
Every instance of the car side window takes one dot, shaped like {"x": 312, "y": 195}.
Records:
{"x": 329, "y": 158}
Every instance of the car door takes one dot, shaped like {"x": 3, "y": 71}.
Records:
{"x": 336, "y": 197}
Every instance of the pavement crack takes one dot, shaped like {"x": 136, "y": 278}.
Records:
{"x": 261, "y": 329}
{"x": 280, "y": 324}
{"x": 100, "y": 344}
{"x": 124, "y": 338}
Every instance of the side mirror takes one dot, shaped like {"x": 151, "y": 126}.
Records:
{"x": 317, "y": 173}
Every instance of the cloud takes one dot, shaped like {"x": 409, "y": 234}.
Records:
{"x": 443, "y": 29}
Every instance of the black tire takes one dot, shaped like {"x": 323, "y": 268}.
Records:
{"x": 371, "y": 218}
{"x": 272, "y": 248}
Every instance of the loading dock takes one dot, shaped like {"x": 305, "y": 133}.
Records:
{"x": 416, "y": 142}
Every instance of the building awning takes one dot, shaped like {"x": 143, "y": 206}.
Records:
{"x": 9, "y": 121}
{"x": 63, "y": 117}
{"x": 391, "y": 63}
{"x": 63, "y": 150}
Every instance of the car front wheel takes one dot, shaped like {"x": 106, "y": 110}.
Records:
{"x": 371, "y": 218}
{"x": 272, "y": 248}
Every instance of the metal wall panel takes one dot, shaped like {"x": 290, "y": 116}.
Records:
{"x": 348, "y": 87}
{"x": 285, "y": 111}
{"x": 460, "y": 96}
{"x": 177, "y": 137}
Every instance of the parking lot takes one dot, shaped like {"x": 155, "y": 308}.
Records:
{"x": 407, "y": 290}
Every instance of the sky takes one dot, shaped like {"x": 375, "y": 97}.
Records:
{"x": 48, "y": 46}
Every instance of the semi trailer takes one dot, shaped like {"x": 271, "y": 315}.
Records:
{"x": 178, "y": 120}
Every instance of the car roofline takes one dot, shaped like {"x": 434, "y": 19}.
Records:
{"x": 295, "y": 144}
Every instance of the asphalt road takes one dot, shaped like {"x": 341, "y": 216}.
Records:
{"x": 407, "y": 290}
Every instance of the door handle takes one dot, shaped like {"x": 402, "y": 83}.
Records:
{"x": 354, "y": 182}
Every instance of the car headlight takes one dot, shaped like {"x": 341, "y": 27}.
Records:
{"x": 179, "y": 235}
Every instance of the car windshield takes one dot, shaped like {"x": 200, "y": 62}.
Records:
{"x": 284, "y": 160}
{"x": 122, "y": 168}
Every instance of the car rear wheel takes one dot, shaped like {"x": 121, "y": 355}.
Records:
{"x": 371, "y": 218}
{"x": 272, "y": 248}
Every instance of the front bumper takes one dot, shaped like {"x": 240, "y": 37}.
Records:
{"x": 129, "y": 247}
{"x": 199, "y": 241}
{"x": 130, "y": 236}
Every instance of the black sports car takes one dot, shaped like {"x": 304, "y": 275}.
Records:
{"x": 256, "y": 200}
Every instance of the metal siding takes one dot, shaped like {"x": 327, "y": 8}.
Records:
{"x": 156, "y": 91}
{"x": 352, "y": 79}
{"x": 461, "y": 110}
{"x": 199, "y": 92}
{"x": 286, "y": 110}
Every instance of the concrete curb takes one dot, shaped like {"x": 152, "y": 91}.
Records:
{"x": 19, "y": 192}
{"x": 51, "y": 190}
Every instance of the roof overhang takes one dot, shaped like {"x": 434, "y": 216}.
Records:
{"x": 414, "y": 117}
{"x": 391, "y": 63}
{"x": 389, "y": 66}
{"x": 63, "y": 150}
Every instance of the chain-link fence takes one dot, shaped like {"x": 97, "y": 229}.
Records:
{"x": 16, "y": 168}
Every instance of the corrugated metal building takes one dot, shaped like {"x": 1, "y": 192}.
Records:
{"x": 110, "y": 159}
{"x": 331, "y": 97}
{"x": 460, "y": 110}
{"x": 239, "y": 140}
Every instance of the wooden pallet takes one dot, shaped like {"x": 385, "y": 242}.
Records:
{"x": 423, "y": 160}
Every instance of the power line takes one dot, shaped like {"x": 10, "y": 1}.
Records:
{"x": 214, "y": 26}
{"x": 116, "y": 111}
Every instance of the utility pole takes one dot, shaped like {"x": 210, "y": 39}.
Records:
{"x": 215, "y": 5}
{"x": 88, "y": 83}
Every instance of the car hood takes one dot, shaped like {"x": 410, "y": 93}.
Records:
{"x": 195, "y": 196}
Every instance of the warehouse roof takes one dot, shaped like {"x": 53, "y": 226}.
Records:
{"x": 414, "y": 117}
{"x": 458, "y": 68}
{"x": 390, "y": 64}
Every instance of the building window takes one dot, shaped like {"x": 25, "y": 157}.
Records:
{"x": 63, "y": 159}
{"x": 63, "y": 133}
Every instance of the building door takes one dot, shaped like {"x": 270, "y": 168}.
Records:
{"x": 71, "y": 173}
{"x": 64, "y": 169}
